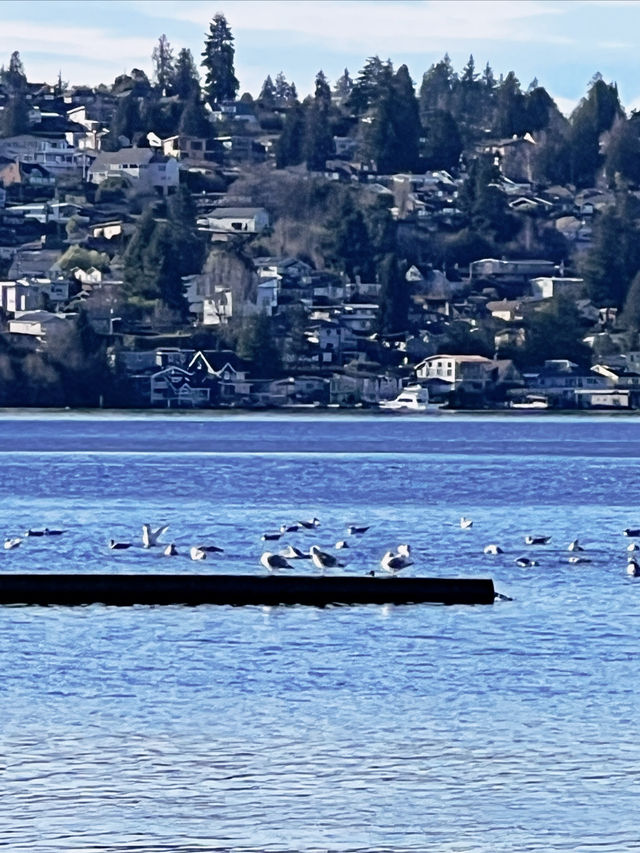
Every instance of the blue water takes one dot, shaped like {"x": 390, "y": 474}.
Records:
{"x": 457, "y": 729}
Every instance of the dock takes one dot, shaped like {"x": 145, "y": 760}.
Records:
{"x": 189, "y": 589}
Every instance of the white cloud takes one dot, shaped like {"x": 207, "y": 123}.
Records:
{"x": 382, "y": 26}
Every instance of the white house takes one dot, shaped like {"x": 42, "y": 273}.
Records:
{"x": 251, "y": 220}
{"x": 548, "y": 286}
{"x": 141, "y": 167}
{"x": 455, "y": 369}
{"x": 56, "y": 155}
{"x": 41, "y": 325}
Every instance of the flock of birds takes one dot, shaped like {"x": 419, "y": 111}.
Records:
{"x": 577, "y": 550}
{"x": 392, "y": 561}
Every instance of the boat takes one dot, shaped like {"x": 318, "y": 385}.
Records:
{"x": 531, "y": 401}
{"x": 413, "y": 398}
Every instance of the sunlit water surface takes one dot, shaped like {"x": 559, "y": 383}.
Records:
{"x": 510, "y": 727}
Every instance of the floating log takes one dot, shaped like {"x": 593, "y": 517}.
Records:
{"x": 319, "y": 591}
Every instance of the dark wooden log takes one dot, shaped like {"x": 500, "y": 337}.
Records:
{"x": 128, "y": 589}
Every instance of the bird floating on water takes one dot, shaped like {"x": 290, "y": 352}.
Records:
{"x": 537, "y": 540}
{"x": 575, "y": 546}
{"x": 118, "y": 546}
{"x": 271, "y": 562}
{"x": 579, "y": 560}
{"x": 210, "y": 549}
{"x": 493, "y": 549}
{"x": 633, "y": 568}
{"x": 11, "y": 543}
{"x": 356, "y": 530}
{"x": 525, "y": 562}
{"x": 341, "y": 543}
{"x": 631, "y": 531}
{"x": 633, "y": 546}
{"x": 170, "y": 550}
{"x": 150, "y": 535}
{"x": 197, "y": 553}
{"x": 271, "y": 537}
{"x": 289, "y": 528}
{"x": 465, "y": 523}
{"x": 310, "y": 523}
{"x": 322, "y": 560}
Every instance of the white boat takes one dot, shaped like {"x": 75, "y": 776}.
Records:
{"x": 413, "y": 398}
{"x": 531, "y": 401}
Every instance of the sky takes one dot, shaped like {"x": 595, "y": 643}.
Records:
{"x": 562, "y": 43}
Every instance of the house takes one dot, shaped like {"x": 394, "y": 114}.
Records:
{"x": 140, "y": 167}
{"x": 559, "y": 379}
{"x": 520, "y": 271}
{"x": 38, "y": 327}
{"x": 54, "y": 153}
{"x": 603, "y": 398}
{"x": 467, "y": 371}
{"x": 509, "y": 310}
{"x": 172, "y": 388}
{"x": 224, "y": 372}
{"x": 250, "y": 220}
{"x": 351, "y": 387}
{"x": 546, "y": 287}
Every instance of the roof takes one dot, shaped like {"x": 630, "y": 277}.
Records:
{"x": 129, "y": 156}
{"x": 225, "y": 212}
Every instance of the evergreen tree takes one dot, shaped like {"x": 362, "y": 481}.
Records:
{"x": 366, "y": 88}
{"x": 256, "y": 344}
{"x": 437, "y": 87}
{"x": 163, "y": 65}
{"x": 347, "y": 245}
{"x": 594, "y": 115}
{"x": 622, "y": 159}
{"x": 14, "y": 78}
{"x": 394, "y": 297}
{"x": 267, "y": 96}
{"x": 186, "y": 82}
{"x": 220, "y": 81}
{"x": 484, "y": 202}
{"x": 343, "y": 88}
{"x": 290, "y": 144}
{"x": 443, "y": 143}
{"x": 125, "y": 122}
{"x": 511, "y": 111}
{"x": 318, "y": 143}
{"x": 631, "y": 313}
{"x": 406, "y": 120}
{"x": 555, "y": 332}
{"x": 613, "y": 259}
{"x": 193, "y": 119}
{"x": 14, "y": 118}
{"x": 285, "y": 92}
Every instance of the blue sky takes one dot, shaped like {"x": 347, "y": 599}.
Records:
{"x": 561, "y": 42}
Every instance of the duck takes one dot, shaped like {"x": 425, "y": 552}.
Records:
{"x": 537, "y": 540}
{"x": 150, "y": 535}
{"x": 525, "y": 562}
{"x": 210, "y": 549}
{"x": 118, "y": 546}
{"x": 357, "y": 530}
{"x": 289, "y": 528}
{"x": 580, "y": 560}
{"x": 633, "y": 546}
{"x": 341, "y": 543}
{"x": 271, "y": 562}
{"x": 575, "y": 546}
{"x": 394, "y": 563}
{"x": 271, "y": 537}
{"x": 12, "y": 542}
{"x": 32, "y": 532}
{"x": 493, "y": 549}
{"x": 631, "y": 531}
{"x": 170, "y": 550}
{"x": 196, "y": 553}
{"x": 322, "y": 560}
{"x": 310, "y": 523}
{"x": 465, "y": 523}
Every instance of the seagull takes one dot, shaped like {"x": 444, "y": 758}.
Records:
{"x": 170, "y": 550}
{"x": 465, "y": 523}
{"x": 150, "y": 536}
{"x": 633, "y": 568}
{"x": 393, "y": 563}
{"x": 575, "y": 546}
{"x": 525, "y": 562}
{"x": 536, "y": 540}
{"x": 271, "y": 537}
{"x": 341, "y": 543}
{"x": 579, "y": 560}
{"x": 633, "y": 546}
{"x": 631, "y": 531}
{"x": 118, "y": 546}
{"x": 197, "y": 553}
{"x": 355, "y": 530}
{"x": 9, "y": 544}
{"x": 493, "y": 549}
{"x": 310, "y": 523}
{"x": 322, "y": 560}
{"x": 271, "y": 562}
{"x": 293, "y": 553}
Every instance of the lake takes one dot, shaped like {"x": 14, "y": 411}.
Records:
{"x": 456, "y": 729}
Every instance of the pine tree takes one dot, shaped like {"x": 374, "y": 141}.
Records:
{"x": 163, "y": 65}
{"x": 193, "y": 119}
{"x": 343, "y": 88}
{"x": 186, "y": 82}
{"x": 290, "y": 144}
{"x": 366, "y": 88}
{"x": 267, "y": 96}
{"x": 220, "y": 81}
{"x": 318, "y": 143}
{"x": 14, "y": 78}
{"x": 394, "y": 297}
{"x": 437, "y": 87}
